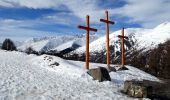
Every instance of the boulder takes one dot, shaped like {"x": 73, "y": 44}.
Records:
{"x": 111, "y": 69}
{"x": 137, "y": 89}
{"x": 101, "y": 74}
{"x": 122, "y": 68}
{"x": 55, "y": 64}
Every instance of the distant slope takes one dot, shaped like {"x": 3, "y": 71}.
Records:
{"x": 138, "y": 37}
{"x": 57, "y": 43}
{"x": 45, "y": 44}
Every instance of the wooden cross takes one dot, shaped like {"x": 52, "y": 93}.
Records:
{"x": 87, "y": 28}
{"x": 122, "y": 37}
{"x": 107, "y": 36}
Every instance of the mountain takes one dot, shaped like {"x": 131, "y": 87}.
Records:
{"x": 58, "y": 43}
{"x": 31, "y": 77}
{"x": 139, "y": 38}
{"x": 140, "y": 49}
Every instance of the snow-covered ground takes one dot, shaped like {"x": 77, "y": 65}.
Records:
{"x": 31, "y": 77}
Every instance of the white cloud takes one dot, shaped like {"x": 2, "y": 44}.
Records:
{"x": 79, "y": 8}
{"x": 10, "y": 28}
{"x": 30, "y": 3}
{"x": 62, "y": 18}
{"x": 148, "y": 13}
{"x": 6, "y": 4}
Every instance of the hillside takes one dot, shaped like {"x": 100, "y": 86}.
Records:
{"x": 139, "y": 49}
{"x": 139, "y": 38}
{"x": 140, "y": 41}
{"x": 57, "y": 43}
{"x": 154, "y": 61}
{"x": 30, "y": 77}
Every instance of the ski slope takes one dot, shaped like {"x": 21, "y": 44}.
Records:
{"x": 31, "y": 77}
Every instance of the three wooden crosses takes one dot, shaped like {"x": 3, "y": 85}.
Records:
{"x": 88, "y": 29}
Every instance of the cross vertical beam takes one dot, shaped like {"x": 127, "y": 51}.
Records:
{"x": 88, "y": 29}
{"x": 107, "y": 36}
{"x": 87, "y": 43}
{"x": 122, "y": 45}
{"x": 123, "y": 49}
{"x": 107, "y": 40}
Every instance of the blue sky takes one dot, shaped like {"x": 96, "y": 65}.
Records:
{"x": 36, "y": 18}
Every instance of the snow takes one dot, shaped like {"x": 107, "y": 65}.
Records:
{"x": 152, "y": 38}
{"x": 31, "y": 77}
{"x": 143, "y": 38}
{"x": 65, "y": 45}
{"x": 44, "y": 44}
{"x": 57, "y": 43}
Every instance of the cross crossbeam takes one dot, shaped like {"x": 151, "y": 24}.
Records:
{"x": 88, "y": 29}
{"x": 107, "y": 36}
{"x": 120, "y": 36}
{"x": 106, "y": 21}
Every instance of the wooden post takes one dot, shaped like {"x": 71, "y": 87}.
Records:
{"x": 87, "y": 43}
{"x": 107, "y": 36}
{"x": 87, "y": 28}
{"x": 123, "y": 48}
{"x": 122, "y": 45}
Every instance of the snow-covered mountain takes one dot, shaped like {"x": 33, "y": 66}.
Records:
{"x": 139, "y": 38}
{"x": 31, "y": 77}
{"x": 57, "y": 43}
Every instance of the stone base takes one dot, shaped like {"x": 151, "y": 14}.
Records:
{"x": 139, "y": 89}
{"x": 123, "y": 68}
{"x": 111, "y": 69}
{"x": 100, "y": 73}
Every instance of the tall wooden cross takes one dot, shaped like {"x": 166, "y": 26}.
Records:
{"x": 87, "y": 28}
{"x": 123, "y": 49}
{"x": 107, "y": 36}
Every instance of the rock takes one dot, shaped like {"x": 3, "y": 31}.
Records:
{"x": 100, "y": 74}
{"x": 126, "y": 85}
{"x": 122, "y": 68}
{"x": 146, "y": 88}
{"x": 111, "y": 69}
{"x": 137, "y": 89}
{"x": 55, "y": 64}
{"x": 160, "y": 90}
